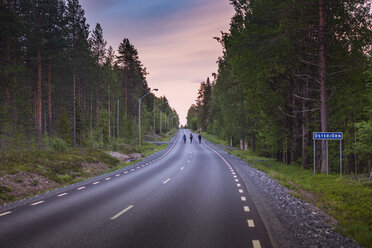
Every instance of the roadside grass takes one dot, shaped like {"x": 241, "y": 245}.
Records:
{"x": 63, "y": 167}
{"x": 348, "y": 201}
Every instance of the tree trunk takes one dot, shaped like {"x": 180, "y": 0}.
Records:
{"x": 91, "y": 111}
{"x": 253, "y": 142}
{"x": 231, "y": 141}
{"x": 38, "y": 123}
{"x": 245, "y": 144}
{"x": 50, "y": 120}
{"x": 125, "y": 93}
{"x": 305, "y": 124}
{"x": 109, "y": 110}
{"x": 241, "y": 144}
{"x": 74, "y": 107}
{"x": 322, "y": 80}
{"x": 117, "y": 120}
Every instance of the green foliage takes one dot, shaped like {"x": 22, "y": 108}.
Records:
{"x": 58, "y": 144}
{"x": 266, "y": 91}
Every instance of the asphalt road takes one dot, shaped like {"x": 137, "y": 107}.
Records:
{"x": 189, "y": 197}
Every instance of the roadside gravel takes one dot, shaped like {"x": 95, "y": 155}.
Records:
{"x": 290, "y": 221}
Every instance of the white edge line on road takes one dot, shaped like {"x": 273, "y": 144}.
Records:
{"x": 250, "y": 223}
{"x": 62, "y": 194}
{"x": 166, "y": 181}
{"x": 117, "y": 175}
{"x": 256, "y": 244}
{"x": 108, "y": 178}
{"x": 96, "y": 182}
{"x": 121, "y": 212}
{"x": 246, "y": 209}
{"x": 126, "y": 172}
{"x": 5, "y": 213}
{"x": 81, "y": 188}
{"x": 36, "y": 203}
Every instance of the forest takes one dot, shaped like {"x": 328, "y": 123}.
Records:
{"x": 62, "y": 85}
{"x": 291, "y": 68}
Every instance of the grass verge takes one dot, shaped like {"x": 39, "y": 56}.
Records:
{"x": 347, "y": 200}
{"x": 27, "y": 173}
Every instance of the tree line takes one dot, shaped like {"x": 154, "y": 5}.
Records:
{"x": 290, "y": 68}
{"x": 60, "y": 82}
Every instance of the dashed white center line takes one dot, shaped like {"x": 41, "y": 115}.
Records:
{"x": 96, "y": 182}
{"x": 235, "y": 176}
{"x": 241, "y": 191}
{"x": 246, "y": 209}
{"x": 62, "y": 194}
{"x": 256, "y": 244}
{"x": 166, "y": 181}
{"x": 250, "y": 223}
{"x": 132, "y": 170}
{"x": 81, "y": 188}
{"x": 5, "y": 213}
{"x": 117, "y": 175}
{"x": 121, "y": 212}
{"x": 182, "y": 168}
{"x": 36, "y": 203}
{"x": 138, "y": 167}
{"x": 243, "y": 198}
{"x": 238, "y": 184}
{"x": 126, "y": 172}
{"x": 108, "y": 178}
{"x": 236, "y": 180}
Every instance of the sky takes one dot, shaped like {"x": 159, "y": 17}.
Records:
{"x": 174, "y": 40}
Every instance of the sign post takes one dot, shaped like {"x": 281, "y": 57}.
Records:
{"x": 328, "y": 136}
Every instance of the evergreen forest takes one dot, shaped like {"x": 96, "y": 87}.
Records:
{"x": 291, "y": 68}
{"x": 61, "y": 84}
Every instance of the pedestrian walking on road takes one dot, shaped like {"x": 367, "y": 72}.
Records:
{"x": 191, "y": 137}
{"x": 199, "y": 137}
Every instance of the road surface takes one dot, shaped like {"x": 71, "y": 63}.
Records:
{"x": 189, "y": 197}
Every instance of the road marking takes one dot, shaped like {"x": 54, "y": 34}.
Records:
{"x": 36, "y": 203}
{"x": 132, "y": 170}
{"x": 121, "y": 212}
{"x": 243, "y": 198}
{"x": 233, "y": 173}
{"x": 240, "y": 191}
{"x": 62, "y": 194}
{"x": 256, "y": 244}
{"x": 117, "y": 175}
{"x": 236, "y": 180}
{"x": 188, "y": 161}
{"x": 126, "y": 172}
{"x": 166, "y": 181}
{"x": 138, "y": 167}
{"x": 182, "y": 168}
{"x": 108, "y": 178}
{"x": 238, "y": 184}
{"x": 96, "y": 182}
{"x": 81, "y": 188}
{"x": 235, "y": 176}
{"x": 5, "y": 213}
{"x": 250, "y": 223}
{"x": 246, "y": 209}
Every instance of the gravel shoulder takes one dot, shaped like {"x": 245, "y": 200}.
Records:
{"x": 290, "y": 221}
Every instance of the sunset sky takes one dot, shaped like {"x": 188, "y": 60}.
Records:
{"x": 174, "y": 39}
